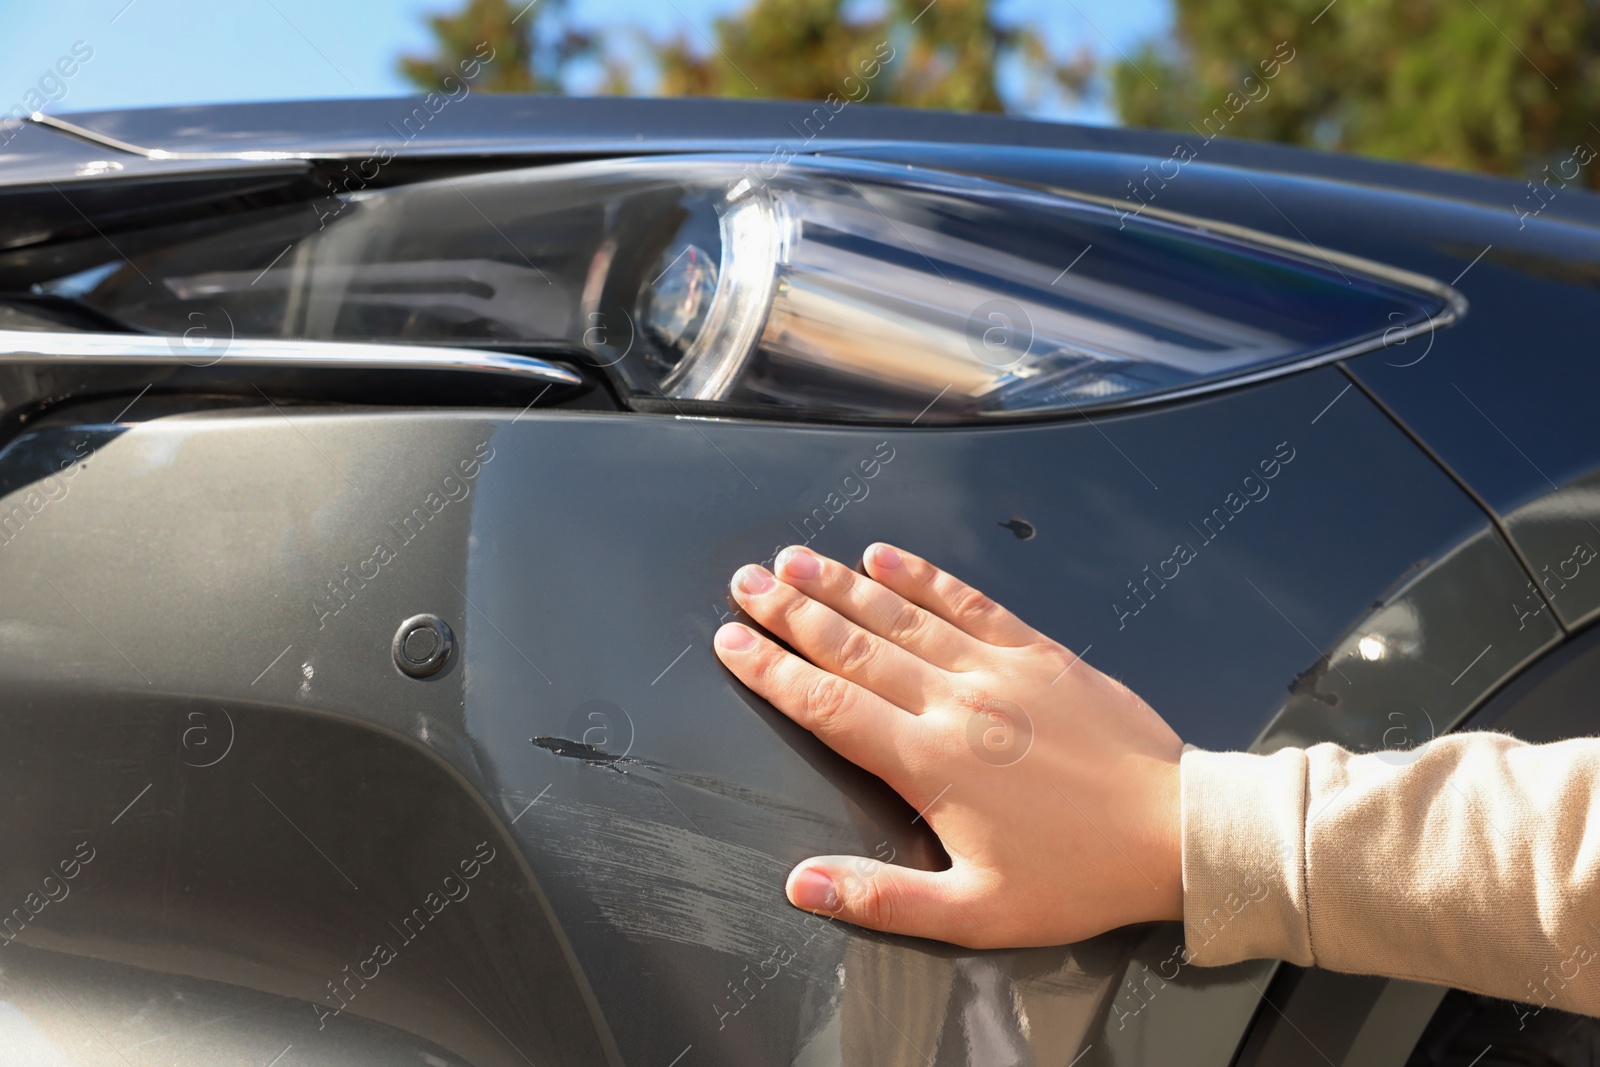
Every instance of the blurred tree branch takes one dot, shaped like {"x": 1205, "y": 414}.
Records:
{"x": 1507, "y": 86}
{"x": 525, "y": 58}
{"x": 946, "y": 54}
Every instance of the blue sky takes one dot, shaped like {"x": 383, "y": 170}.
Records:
{"x": 155, "y": 52}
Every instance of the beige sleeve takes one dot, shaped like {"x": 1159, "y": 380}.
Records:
{"x": 1471, "y": 861}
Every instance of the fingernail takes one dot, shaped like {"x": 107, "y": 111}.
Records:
{"x": 736, "y": 638}
{"x": 813, "y": 891}
{"x": 884, "y": 556}
{"x": 752, "y": 579}
{"x": 799, "y": 564}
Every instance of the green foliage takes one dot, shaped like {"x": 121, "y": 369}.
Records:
{"x": 773, "y": 48}
{"x": 945, "y": 55}
{"x": 954, "y": 49}
{"x": 526, "y": 58}
{"x": 1506, "y": 86}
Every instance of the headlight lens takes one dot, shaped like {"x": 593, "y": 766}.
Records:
{"x": 830, "y": 289}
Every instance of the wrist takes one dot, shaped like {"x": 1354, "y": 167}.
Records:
{"x": 1167, "y": 841}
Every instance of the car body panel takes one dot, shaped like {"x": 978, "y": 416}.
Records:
{"x": 198, "y": 932}
{"x": 582, "y": 565}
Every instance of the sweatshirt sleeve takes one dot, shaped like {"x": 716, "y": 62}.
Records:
{"x": 1471, "y": 861}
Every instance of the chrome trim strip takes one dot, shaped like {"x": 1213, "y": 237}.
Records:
{"x": 72, "y": 129}
{"x": 27, "y": 346}
{"x": 101, "y": 140}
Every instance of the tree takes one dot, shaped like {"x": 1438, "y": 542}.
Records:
{"x": 944, "y": 54}
{"x": 955, "y": 48}
{"x": 797, "y": 49}
{"x": 527, "y": 59}
{"x": 1507, "y": 86}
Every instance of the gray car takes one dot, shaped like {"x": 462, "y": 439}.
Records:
{"x": 372, "y": 475}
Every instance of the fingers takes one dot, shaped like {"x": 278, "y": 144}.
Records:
{"x": 836, "y": 644}
{"x": 860, "y": 726}
{"x": 883, "y": 896}
{"x": 947, "y": 597}
{"x": 877, "y": 608}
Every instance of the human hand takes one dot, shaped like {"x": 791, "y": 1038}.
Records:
{"x": 1053, "y": 787}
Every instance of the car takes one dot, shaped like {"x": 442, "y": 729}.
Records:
{"x": 373, "y": 472}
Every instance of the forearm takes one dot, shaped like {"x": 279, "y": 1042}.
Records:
{"x": 1472, "y": 862}
{"x": 1469, "y": 861}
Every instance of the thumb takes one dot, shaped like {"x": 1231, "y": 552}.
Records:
{"x": 880, "y": 896}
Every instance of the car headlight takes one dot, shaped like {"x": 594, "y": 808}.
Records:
{"x": 830, "y": 288}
